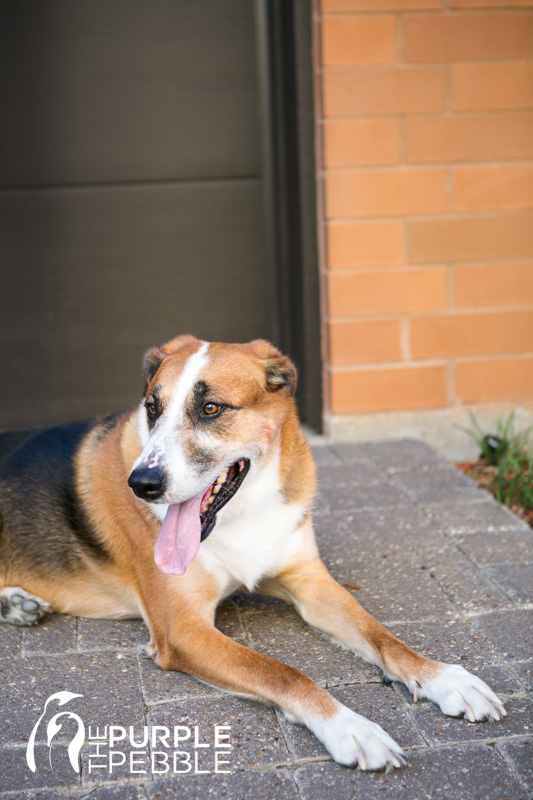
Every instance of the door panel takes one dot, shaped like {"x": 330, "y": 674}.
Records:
{"x": 130, "y": 194}
{"x": 108, "y": 272}
{"x": 126, "y": 90}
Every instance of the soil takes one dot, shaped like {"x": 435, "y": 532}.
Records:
{"x": 486, "y": 477}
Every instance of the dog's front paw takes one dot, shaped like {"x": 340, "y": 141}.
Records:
{"x": 354, "y": 740}
{"x": 458, "y": 693}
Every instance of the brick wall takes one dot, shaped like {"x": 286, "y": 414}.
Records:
{"x": 427, "y": 136}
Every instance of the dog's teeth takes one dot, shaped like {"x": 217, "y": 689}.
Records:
{"x": 221, "y": 478}
{"x": 216, "y": 488}
{"x": 210, "y": 500}
{"x": 204, "y": 508}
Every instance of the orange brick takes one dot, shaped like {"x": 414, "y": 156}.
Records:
{"x": 470, "y": 239}
{"x": 491, "y": 86}
{"x": 385, "y": 193}
{"x": 498, "y": 379}
{"x": 494, "y": 285}
{"x": 472, "y": 334}
{"x": 467, "y": 37}
{"x": 364, "y": 342}
{"x": 365, "y": 244}
{"x": 398, "y": 292}
{"x": 332, "y": 6}
{"x": 500, "y": 188}
{"x": 397, "y": 389}
{"x": 367, "y": 90}
{"x": 353, "y": 143}
{"x": 479, "y": 138}
{"x": 358, "y": 40}
{"x": 491, "y": 3}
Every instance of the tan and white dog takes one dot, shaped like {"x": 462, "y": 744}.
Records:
{"x": 221, "y": 485}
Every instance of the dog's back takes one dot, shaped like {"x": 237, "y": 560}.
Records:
{"x": 10, "y": 442}
{"x": 39, "y": 507}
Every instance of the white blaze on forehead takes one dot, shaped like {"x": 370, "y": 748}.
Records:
{"x": 193, "y": 367}
{"x": 155, "y": 445}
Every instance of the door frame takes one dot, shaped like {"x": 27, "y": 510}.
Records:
{"x": 284, "y": 30}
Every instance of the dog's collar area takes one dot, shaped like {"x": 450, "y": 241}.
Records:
{"x": 224, "y": 488}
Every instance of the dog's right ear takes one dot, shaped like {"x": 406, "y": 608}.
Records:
{"x": 153, "y": 358}
{"x": 151, "y": 363}
{"x": 176, "y": 344}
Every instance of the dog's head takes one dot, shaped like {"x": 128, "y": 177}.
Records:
{"x": 211, "y": 412}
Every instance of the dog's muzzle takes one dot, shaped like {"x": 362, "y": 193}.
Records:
{"x": 147, "y": 484}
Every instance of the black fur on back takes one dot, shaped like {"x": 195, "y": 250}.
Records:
{"x": 43, "y": 525}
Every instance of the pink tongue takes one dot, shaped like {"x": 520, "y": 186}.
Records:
{"x": 179, "y": 539}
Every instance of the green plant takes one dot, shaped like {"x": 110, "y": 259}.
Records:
{"x": 511, "y": 455}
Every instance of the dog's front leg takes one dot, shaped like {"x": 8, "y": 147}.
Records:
{"x": 325, "y": 605}
{"x": 194, "y": 646}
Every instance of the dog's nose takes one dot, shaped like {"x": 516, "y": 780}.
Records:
{"x": 148, "y": 484}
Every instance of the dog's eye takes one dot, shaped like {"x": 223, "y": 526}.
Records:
{"x": 210, "y": 409}
{"x": 152, "y": 409}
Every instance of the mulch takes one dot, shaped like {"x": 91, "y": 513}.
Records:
{"x": 486, "y": 477}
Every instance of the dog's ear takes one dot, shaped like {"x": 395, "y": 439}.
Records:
{"x": 280, "y": 372}
{"x": 176, "y": 344}
{"x": 153, "y": 358}
{"x": 151, "y": 363}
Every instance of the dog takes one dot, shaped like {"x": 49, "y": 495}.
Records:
{"x": 164, "y": 510}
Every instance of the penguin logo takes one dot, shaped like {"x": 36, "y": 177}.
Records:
{"x": 54, "y": 727}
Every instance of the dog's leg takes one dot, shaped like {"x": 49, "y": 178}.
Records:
{"x": 18, "y": 607}
{"x": 325, "y": 605}
{"x": 191, "y": 644}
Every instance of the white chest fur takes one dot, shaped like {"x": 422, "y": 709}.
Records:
{"x": 256, "y": 533}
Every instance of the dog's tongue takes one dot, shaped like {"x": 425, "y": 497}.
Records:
{"x": 179, "y": 539}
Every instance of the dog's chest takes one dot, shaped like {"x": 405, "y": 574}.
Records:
{"x": 255, "y": 535}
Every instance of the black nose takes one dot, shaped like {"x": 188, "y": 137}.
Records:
{"x": 148, "y": 484}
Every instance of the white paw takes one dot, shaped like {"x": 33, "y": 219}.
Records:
{"x": 18, "y": 607}
{"x": 459, "y": 693}
{"x": 354, "y": 740}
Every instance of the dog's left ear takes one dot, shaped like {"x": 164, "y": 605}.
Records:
{"x": 151, "y": 363}
{"x": 280, "y": 372}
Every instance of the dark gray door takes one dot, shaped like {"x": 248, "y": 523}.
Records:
{"x": 130, "y": 194}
